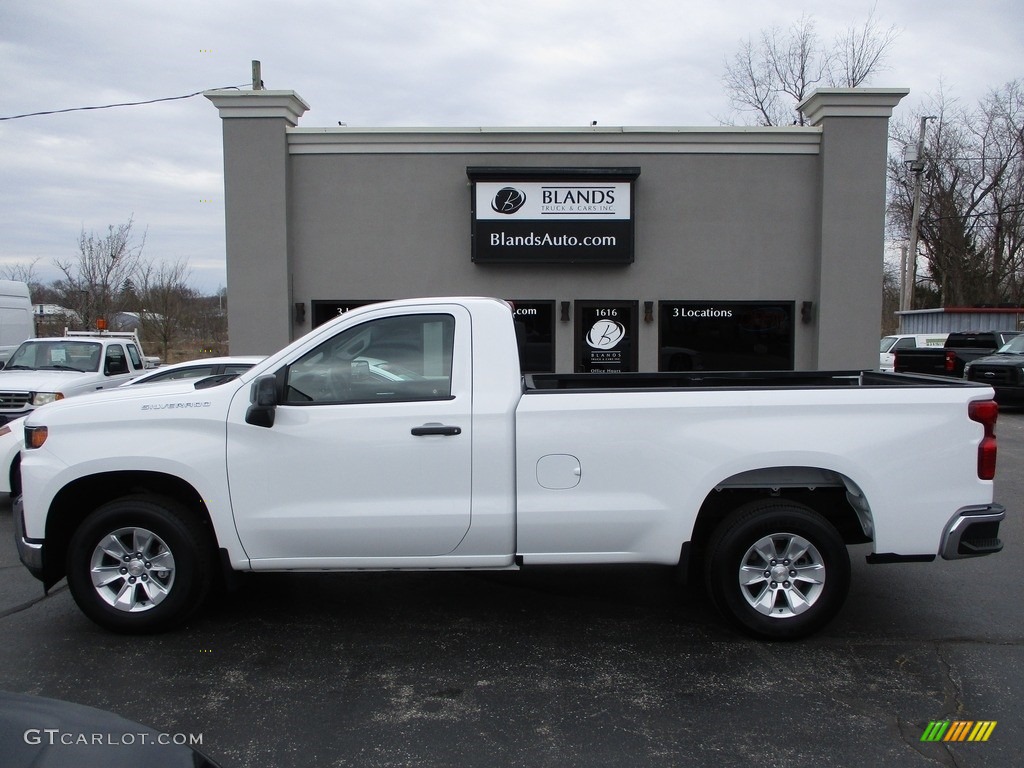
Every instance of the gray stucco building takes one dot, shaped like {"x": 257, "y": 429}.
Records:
{"x": 621, "y": 248}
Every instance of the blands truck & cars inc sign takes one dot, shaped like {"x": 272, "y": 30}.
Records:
{"x": 553, "y": 215}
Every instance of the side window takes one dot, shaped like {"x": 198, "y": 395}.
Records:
{"x": 393, "y": 359}
{"x": 905, "y": 344}
{"x": 196, "y": 372}
{"x": 133, "y": 353}
{"x": 116, "y": 361}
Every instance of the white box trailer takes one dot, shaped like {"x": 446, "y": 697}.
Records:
{"x": 16, "y": 320}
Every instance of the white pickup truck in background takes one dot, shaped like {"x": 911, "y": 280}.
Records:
{"x": 403, "y": 436}
{"x": 41, "y": 371}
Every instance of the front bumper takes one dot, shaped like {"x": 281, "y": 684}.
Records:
{"x": 972, "y": 532}
{"x": 29, "y": 550}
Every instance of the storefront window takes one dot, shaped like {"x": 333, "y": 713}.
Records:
{"x": 328, "y": 310}
{"x": 606, "y": 336}
{"x": 725, "y": 336}
{"x": 535, "y": 332}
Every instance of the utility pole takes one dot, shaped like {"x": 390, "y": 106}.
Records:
{"x": 917, "y": 166}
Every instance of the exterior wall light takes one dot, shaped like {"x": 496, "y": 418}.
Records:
{"x": 807, "y": 312}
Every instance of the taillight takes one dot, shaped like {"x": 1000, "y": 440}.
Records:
{"x": 950, "y": 361}
{"x": 985, "y": 413}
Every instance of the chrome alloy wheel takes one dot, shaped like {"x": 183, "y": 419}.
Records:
{"x": 782, "y": 575}
{"x": 132, "y": 569}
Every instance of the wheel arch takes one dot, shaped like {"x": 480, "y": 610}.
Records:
{"x": 14, "y": 476}
{"x": 75, "y": 501}
{"x": 832, "y": 494}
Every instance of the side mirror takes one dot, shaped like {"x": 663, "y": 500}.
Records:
{"x": 263, "y": 402}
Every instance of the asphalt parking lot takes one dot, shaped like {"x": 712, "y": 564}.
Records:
{"x": 602, "y": 667}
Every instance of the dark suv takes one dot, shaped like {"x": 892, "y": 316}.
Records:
{"x": 1004, "y": 371}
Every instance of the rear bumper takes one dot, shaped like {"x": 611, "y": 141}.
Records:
{"x": 972, "y": 532}
{"x": 29, "y": 550}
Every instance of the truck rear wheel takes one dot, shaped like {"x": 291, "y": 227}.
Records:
{"x": 777, "y": 569}
{"x": 139, "y": 564}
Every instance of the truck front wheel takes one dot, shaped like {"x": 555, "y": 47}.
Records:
{"x": 139, "y": 564}
{"x": 777, "y": 569}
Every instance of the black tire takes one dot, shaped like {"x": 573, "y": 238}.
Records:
{"x": 781, "y": 598}
{"x": 162, "y": 571}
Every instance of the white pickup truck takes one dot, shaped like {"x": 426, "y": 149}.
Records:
{"x": 41, "y": 371}
{"x": 403, "y": 436}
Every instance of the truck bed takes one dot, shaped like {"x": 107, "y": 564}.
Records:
{"x": 610, "y": 382}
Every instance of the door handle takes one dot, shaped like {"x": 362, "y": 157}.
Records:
{"x": 436, "y": 429}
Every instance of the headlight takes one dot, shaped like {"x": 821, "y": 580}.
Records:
{"x": 35, "y": 437}
{"x": 42, "y": 398}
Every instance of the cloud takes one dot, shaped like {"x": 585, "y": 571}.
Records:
{"x": 380, "y": 63}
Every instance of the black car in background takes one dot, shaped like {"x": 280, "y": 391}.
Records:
{"x": 961, "y": 348}
{"x": 1003, "y": 371}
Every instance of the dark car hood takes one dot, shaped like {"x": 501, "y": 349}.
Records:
{"x": 1011, "y": 360}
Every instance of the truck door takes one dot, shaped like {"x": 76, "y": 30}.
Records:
{"x": 369, "y": 453}
{"x": 115, "y": 367}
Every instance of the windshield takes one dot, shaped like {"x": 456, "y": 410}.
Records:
{"x": 1014, "y": 346}
{"x": 887, "y": 343}
{"x": 56, "y": 356}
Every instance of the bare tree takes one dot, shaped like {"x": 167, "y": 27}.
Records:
{"x": 94, "y": 280}
{"x": 766, "y": 80}
{"x": 750, "y": 84}
{"x": 166, "y": 303}
{"x": 23, "y": 273}
{"x": 860, "y": 52}
{"x": 890, "y": 298}
{"x": 211, "y": 322}
{"x": 971, "y": 233}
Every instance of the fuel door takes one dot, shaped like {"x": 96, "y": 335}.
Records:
{"x": 558, "y": 472}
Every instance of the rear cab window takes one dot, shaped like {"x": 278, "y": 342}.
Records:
{"x": 136, "y": 358}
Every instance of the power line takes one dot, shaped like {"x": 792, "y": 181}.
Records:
{"x": 122, "y": 104}
{"x": 982, "y": 214}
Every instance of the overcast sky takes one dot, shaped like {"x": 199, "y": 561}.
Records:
{"x": 384, "y": 63}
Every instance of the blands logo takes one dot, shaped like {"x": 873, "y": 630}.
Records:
{"x": 606, "y": 334}
{"x": 508, "y": 200}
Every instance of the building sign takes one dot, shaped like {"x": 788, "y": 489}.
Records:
{"x": 553, "y": 215}
{"x": 725, "y": 335}
{"x": 606, "y": 336}
{"x": 328, "y": 310}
